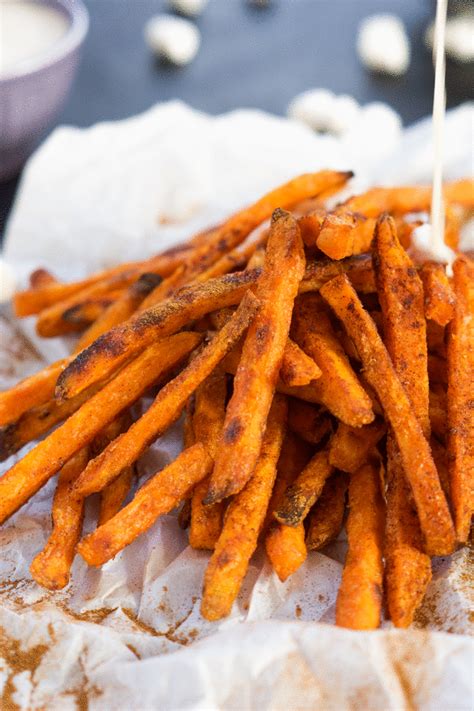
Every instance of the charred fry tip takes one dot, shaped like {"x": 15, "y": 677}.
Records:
{"x": 278, "y": 214}
{"x": 147, "y": 282}
{"x": 8, "y": 445}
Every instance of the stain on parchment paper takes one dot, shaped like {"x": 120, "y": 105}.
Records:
{"x": 18, "y": 356}
{"x": 18, "y": 660}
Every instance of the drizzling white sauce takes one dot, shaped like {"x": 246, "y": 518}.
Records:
{"x": 27, "y": 30}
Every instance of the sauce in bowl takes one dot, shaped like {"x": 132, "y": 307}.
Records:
{"x": 28, "y": 30}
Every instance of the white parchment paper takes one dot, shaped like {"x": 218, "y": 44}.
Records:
{"x": 129, "y": 636}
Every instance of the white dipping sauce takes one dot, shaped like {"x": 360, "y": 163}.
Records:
{"x": 27, "y": 30}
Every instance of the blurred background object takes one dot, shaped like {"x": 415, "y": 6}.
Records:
{"x": 252, "y": 54}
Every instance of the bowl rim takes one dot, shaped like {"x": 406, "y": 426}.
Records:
{"x": 71, "y": 40}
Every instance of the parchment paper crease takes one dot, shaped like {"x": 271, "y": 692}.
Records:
{"x": 130, "y": 636}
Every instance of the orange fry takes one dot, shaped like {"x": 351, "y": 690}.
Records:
{"x": 51, "y": 567}
{"x": 338, "y": 387}
{"x": 305, "y": 490}
{"x": 28, "y": 475}
{"x": 297, "y": 368}
{"x": 109, "y": 351}
{"x": 359, "y": 600}
{"x": 358, "y": 269}
{"x": 167, "y": 406}
{"x": 243, "y": 522}
{"x": 439, "y": 297}
{"x": 418, "y": 463}
{"x": 158, "y": 496}
{"x": 262, "y": 354}
{"x": 308, "y": 421}
{"x": 42, "y": 277}
{"x": 344, "y": 234}
{"x": 327, "y": 516}
{"x": 460, "y": 398}
{"x": 208, "y": 420}
{"x": 351, "y": 446}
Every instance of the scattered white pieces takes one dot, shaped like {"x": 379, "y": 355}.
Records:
{"x": 422, "y": 245}
{"x": 322, "y": 110}
{"x": 383, "y": 45}
{"x": 7, "y": 281}
{"x": 192, "y": 8}
{"x": 459, "y": 39}
{"x": 173, "y": 38}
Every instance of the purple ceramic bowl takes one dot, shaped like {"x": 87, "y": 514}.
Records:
{"x": 32, "y": 94}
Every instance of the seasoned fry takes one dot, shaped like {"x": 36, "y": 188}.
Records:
{"x": 262, "y": 354}
{"x": 358, "y": 269}
{"x": 305, "y": 490}
{"x": 166, "y": 288}
{"x": 243, "y": 522}
{"x": 158, "y": 496}
{"x": 359, "y": 600}
{"x": 208, "y": 420}
{"x": 28, "y": 475}
{"x": 32, "y": 301}
{"x": 30, "y": 392}
{"x": 460, "y": 399}
{"x": 338, "y": 388}
{"x": 327, "y": 516}
{"x": 286, "y": 549}
{"x": 51, "y": 567}
{"x": 351, "y": 446}
{"x": 109, "y": 351}
{"x": 297, "y": 368}
{"x": 417, "y": 461}
{"x": 344, "y": 234}
{"x": 308, "y": 421}
{"x": 167, "y": 406}
{"x": 439, "y": 297}
{"x": 236, "y": 259}
{"x": 121, "y": 309}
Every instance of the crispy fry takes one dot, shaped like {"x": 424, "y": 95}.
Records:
{"x": 109, "y": 351}
{"x": 338, "y": 388}
{"x": 358, "y": 269}
{"x": 42, "y": 277}
{"x": 351, "y": 446}
{"x": 460, "y": 401}
{"x": 167, "y": 287}
{"x": 418, "y": 463}
{"x": 236, "y": 259}
{"x": 327, "y": 516}
{"x": 439, "y": 297}
{"x": 28, "y": 475}
{"x": 310, "y": 225}
{"x": 262, "y": 354}
{"x": 209, "y": 414}
{"x": 121, "y": 309}
{"x": 344, "y": 234}
{"x": 30, "y": 392}
{"x": 297, "y": 368}
{"x": 308, "y": 421}
{"x": 359, "y": 600}
{"x": 167, "y": 406}
{"x": 286, "y": 549}
{"x": 243, "y": 522}
{"x": 32, "y": 301}
{"x": 82, "y": 315}
{"x": 305, "y": 490}
{"x": 158, "y": 496}
{"x": 51, "y": 567}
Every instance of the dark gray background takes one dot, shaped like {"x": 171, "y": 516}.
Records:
{"x": 250, "y": 57}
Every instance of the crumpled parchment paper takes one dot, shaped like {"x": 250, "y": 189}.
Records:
{"x": 129, "y": 636}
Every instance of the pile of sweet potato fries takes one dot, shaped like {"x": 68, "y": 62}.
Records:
{"x": 325, "y": 377}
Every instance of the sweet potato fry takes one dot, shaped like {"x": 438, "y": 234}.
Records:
{"x": 51, "y": 567}
{"x": 32, "y": 301}
{"x": 234, "y": 230}
{"x": 209, "y": 413}
{"x": 166, "y": 288}
{"x": 344, "y": 234}
{"x": 109, "y": 351}
{"x": 234, "y": 260}
{"x": 286, "y": 549}
{"x": 417, "y": 461}
{"x": 358, "y": 269}
{"x": 359, "y": 600}
{"x": 351, "y": 446}
{"x": 28, "y": 475}
{"x": 439, "y": 297}
{"x": 121, "y": 309}
{"x": 167, "y": 406}
{"x": 42, "y": 277}
{"x": 305, "y": 490}
{"x": 310, "y": 225}
{"x": 297, "y": 368}
{"x": 327, "y": 516}
{"x": 262, "y": 354}
{"x": 460, "y": 399}
{"x": 243, "y": 522}
{"x": 307, "y": 421}
{"x": 158, "y": 496}
{"x": 338, "y": 388}
{"x": 30, "y": 392}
